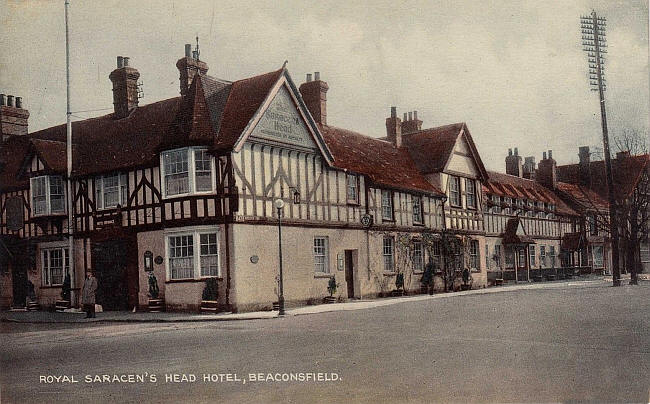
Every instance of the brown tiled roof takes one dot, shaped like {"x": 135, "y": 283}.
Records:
{"x": 431, "y": 148}
{"x": 381, "y": 161}
{"x": 244, "y": 99}
{"x": 517, "y": 187}
{"x": 626, "y": 173}
{"x": 583, "y": 197}
{"x": 12, "y": 155}
{"x": 53, "y": 153}
{"x": 510, "y": 235}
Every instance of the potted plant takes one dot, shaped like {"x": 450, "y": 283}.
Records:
{"x": 156, "y": 304}
{"x": 467, "y": 280}
{"x": 399, "y": 284}
{"x": 209, "y": 302}
{"x": 64, "y": 302}
{"x": 426, "y": 281}
{"x": 331, "y": 289}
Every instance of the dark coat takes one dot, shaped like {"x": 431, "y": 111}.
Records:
{"x": 88, "y": 291}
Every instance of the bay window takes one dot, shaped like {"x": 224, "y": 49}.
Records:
{"x": 183, "y": 262}
{"x": 48, "y": 195}
{"x": 111, "y": 190}
{"x": 185, "y": 171}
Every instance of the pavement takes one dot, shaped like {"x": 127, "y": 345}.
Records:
{"x": 40, "y": 317}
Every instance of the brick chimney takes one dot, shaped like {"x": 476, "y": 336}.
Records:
{"x": 547, "y": 171}
{"x": 514, "y": 164}
{"x": 314, "y": 94}
{"x": 411, "y": 123}
{"x": 13, "y": 118}
{"x": 125, "y": 87}
{"x": 529, "y": 167}
{"x": 394, "y": 128}
{"x": 188, "y": 66}
{"x": 584, "y": 165}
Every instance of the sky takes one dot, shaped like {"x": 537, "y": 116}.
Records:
{"x": 513, "y": 70}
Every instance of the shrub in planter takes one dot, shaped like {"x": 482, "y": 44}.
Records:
{"x": 331, "y": 289}
{"x": 211, "y": 291}
{"x": 153, "y": 286}
{"x": 427, "y": 278}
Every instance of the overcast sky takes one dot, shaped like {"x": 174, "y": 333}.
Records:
{"x": 513, "y": 70}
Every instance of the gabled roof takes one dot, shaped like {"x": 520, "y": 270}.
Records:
{"x": 511, "y": 235}
{"x": 12, "y": 154}
{"x": 517, "y": 187}
{"x": 431, "y": 148}
{"x": 626, "y": 172}
{"x": 582, "y": 197}
{"x": 381, "y": 161}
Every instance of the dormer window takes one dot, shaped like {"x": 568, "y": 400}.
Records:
{"x": 353, "y": 188}
{"x": 48, "y": 195}
{"x": 186, "y": 171}
{"x": 111, "y": 191}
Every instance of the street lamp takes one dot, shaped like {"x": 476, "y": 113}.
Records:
{"x": 279, "y": 204}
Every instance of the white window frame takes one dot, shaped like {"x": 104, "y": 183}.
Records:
{"x": 388, "y": 253}
{"x": 419, "y": 218}
{"x": 508, "y": 201}
{"x": 497, "y": 253}
{"x": 470, "y": 195}
{"x": 531, "y": 255}
{"x": 474, "y": 256}
{"x": 387, "y": 206}
{"x": 191, "y": 172}
{"x": 100, "y": 190}
{"x": 601, "y": 262}
{"x": 551, "y": 254}
{"x": 352, "y": 188}
{"x": 417, "y": 256}
{"x": 542, "y": 256}
{"x": 46, "y": 268}
{"x": 48, "y": 195}
{"x": 324, "y": 254}
{"x": 496, "y": 202}
{"x": 455, "y": 194}
{"x": 196, "y": 233}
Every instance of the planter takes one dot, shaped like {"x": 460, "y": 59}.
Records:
{"x": 209, "y": 306}
{"x": 59, "y": 305}
{"x": 156, "y": 305}
{"x": 329, "y": 299}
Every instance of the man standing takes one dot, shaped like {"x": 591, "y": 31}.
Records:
{"x": 88, "y": 294}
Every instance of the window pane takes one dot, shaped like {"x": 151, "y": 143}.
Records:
{"x": 176, "y": 172}
{"x": 470, "y": 193}
{"x": 388, "y": 254}
{"x": 181, "y": 257}
{"x": 39, "y": 196}
{"x": 454, "y": 191}
{"x": 209, "y": 255}
{"x": 111, "y": 191}
{"x": 418, "y": 257}
{"x": 417, "y": 209}
{"x": 320, "y": 255}
{"x": 352, "y": 188}
{"x": 387, "y": 205}
{"x": 203, "y": 164}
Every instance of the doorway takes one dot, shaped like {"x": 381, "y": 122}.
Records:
{"x": 19, "y": 281}
{"x": 116, "y": 270}
{"x": 349, "y": 272}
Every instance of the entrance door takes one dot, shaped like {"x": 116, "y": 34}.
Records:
{"x": 116, "y": 284}
{"x": 19, "y": 281}
{"x": 349, "y": 272}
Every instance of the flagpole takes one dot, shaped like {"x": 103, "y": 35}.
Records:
{"x": 70, "y": 196}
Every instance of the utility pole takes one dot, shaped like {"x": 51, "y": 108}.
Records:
{"x": 594, "y": 44}
{"x": 70, "y": 196}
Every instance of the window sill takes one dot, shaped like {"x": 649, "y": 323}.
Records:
{"x": 323, "y": 276}
{"x": 418, "y": 224}
{"x": 391, "y": 220}
{"x": 46, "y": 215}
{"x": 51, "y": 286}
{"x": 188, "y": 280}
{"x": 390, "y": 273}
{"x": 418, "y": 272}
{"x": 168, "y": 197}
{"x": 353, "y": 203}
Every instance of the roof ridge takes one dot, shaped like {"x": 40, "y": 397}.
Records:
{"x": 357, "y": 133}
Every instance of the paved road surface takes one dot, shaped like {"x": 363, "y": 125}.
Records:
{"x": 571, "y": 344}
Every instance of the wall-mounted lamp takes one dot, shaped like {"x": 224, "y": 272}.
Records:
{"x": 295, "y": 194}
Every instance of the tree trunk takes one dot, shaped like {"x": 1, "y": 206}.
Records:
{"x": 632, "y": 244}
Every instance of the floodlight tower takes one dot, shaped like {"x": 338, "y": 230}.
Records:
{"x": 595, "y": 44}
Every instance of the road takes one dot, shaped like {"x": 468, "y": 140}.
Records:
{"x": 546, "y": 345}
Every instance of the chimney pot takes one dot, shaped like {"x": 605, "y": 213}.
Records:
{"x": 516, "y": 151}
{"x": 405, "y": 117}
{"x": 543, "y": 155}
{"x": 188, "y": 50}
{"x": 393, "y": 112}
{"x": 19, "y": 102}
{"x": 410, "y": 116}
{"x": 10, "y": 100}
{"x": 415, "y": 115}
{"x": 126, "y": 61}
{"x": 509, "y": 152}
{"x": 317, "y": 76}
{"x": 12, "y": 122}
{"x": 550, "y": 154}
{"x": 308, "y": 77}
{"x": 3, "y": 99}
{"x": 120, "y": 62}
